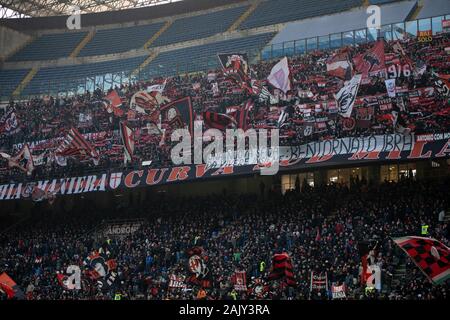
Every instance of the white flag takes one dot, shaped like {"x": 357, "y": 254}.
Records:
{"x": 390, "y": 87}
{"x": 346, "y": 97}
{"x": 279, "y": 76}
{"x": 157, "y": 87}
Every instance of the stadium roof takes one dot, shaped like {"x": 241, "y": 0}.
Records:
{"x": 44, "y": 8}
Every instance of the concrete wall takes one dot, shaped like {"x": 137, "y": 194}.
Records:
{"x": 11, "y": 41}
{"x": 341, "y": 22}
{"x": 432, "y": 8}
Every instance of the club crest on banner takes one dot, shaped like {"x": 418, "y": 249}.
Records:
{"x": 115, "y": 180}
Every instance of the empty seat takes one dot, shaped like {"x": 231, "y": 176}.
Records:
{"x": 118, "y": 40}
{"x": 278, "y": 11}
{"x": 201, "y": 26}
{"x": 9, "y": 80}
{"x": 50, "y": 47}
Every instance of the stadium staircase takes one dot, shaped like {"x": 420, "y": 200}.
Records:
{"x": 416, "y": 11}
{"x": 25, "y": 81}
{"x": 146, "y": 62}
{"x": 156, "y": 35}
{"x": 399, "y": 274}
{"x": 244, "y": 16}
{"x": 19, "y": 48}
{"x": 82, "y": 44}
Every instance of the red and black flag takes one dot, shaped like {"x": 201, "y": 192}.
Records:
{"x": 282, "y": 269}
{"x": 239, "y": 280}
{"x": 179, "y": 113}
{"x": 112, "y": 103}
{"x": 75, "y": 145}
{"x": 197, "y": 264}
{"x": 340, "y": 66}
{"x": 101, "y": 269}
{"x": 241, "y": 114}
{"x": 236, "y": 68}
{"x": 9, "y": 123}
{"x": 128, "y": 142}
{"x": 11, "y": 288}
{"x": 371, "y": 62}
{"x": 218, "y": 120}
{"x": 431, "y": 256}
{"x": 23, "y": 160}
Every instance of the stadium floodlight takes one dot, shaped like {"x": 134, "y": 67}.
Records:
{"x": 146, "y": 163}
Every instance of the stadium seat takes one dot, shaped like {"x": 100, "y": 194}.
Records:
{"x": 202, "y": 57}
{"x": 117, "y": 40}
{"x": 66, "y": 78}
{"x": 49, "y": 47}
{"x": 201, "y": 26}
{"x": 280, "y": 11}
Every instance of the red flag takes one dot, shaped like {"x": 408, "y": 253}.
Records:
{"x": 282, "y": 268}
{"x": 431, "y": 256}
{"x": 218, "y": 120}
{"x": 340, "y": 66}
{"x": 128, "y": 142}
{"x": 371, "y": 62}
{"x": 11, "y": 288}
{"x": 75, "y": 145}
{"x": 114, "y": 102}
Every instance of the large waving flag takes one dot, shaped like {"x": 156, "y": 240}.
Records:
{"x": 9, "y": 123}
{"x": 179, "y": 113}
{"x": 128, "y": 142}
{"x": 279, "y": 76}
{"x": 340, "y": 66}
{"x": 282, "y": 268}
{"x": 75, "y": 145}
{"x": 23, "y": 160}
{"x": 11, "y": 289}
{"x": 431, "y": 256}
{"x": 218, "y": 120}
{"x": 346, "y": 97}
{"x": 113, "y": 103}
{"x": 371, "y": 62}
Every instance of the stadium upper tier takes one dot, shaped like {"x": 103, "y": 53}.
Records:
{"x": 118, "y": 40}
{"x": 50, "y": 46}
{"x": 279, "y": 11}
{"x": 167, "y": 63}
{"x": 200, "y": 26}
{"x": 196, "y": 26}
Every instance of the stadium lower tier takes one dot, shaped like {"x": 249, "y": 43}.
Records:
{"x": 328, "y": 242}
{"x": 404, "y": 103}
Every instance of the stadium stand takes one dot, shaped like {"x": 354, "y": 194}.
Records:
{"x": 51, "y": 79}
{"x": 323, "y": 229}
{"x": 204, "y": 57}
{"x": 116, "y": 40}
{"x": 9, "y": 80}
{"x": 49, "y": 47}
{"x": 309, "y": 78}
{"x": 87, "y": 182}
{"x": 280, "y": 11}
{"x": 199, "y": 26}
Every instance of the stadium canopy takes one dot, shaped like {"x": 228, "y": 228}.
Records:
{"x": 45, "y": 8}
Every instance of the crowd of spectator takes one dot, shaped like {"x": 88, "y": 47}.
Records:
{"x": 320, "y": 228}
{"x": 422, "y": 106}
